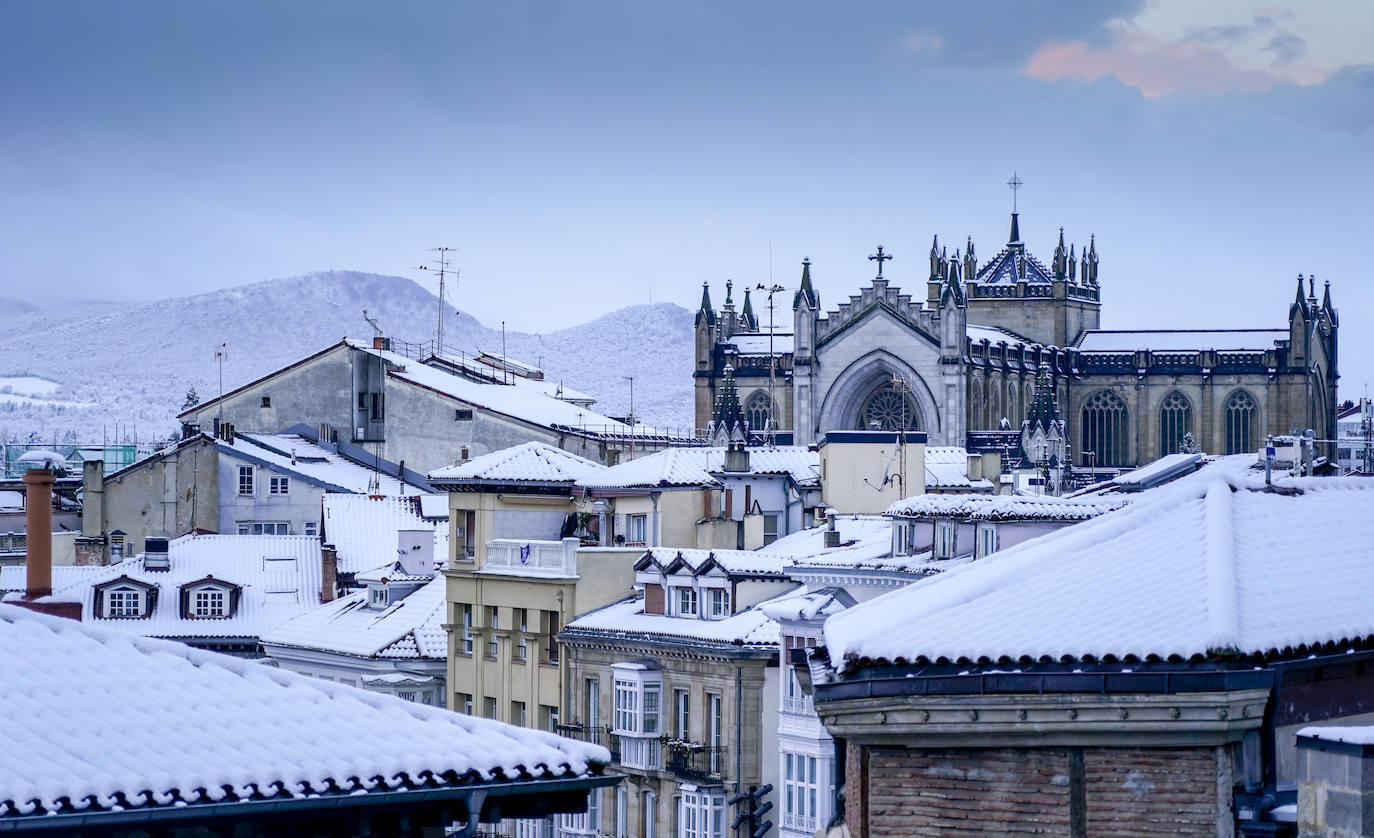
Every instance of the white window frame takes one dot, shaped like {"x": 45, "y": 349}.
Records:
{"x": 209, "y": 601}
{"x": 794, "y": 699}
{"x": 588, "y": 822}
{"x": 465, "y": 614}
{"x": 946, "y": 539}
{"x": 770, "y": 534}
{"x": 247, "y": 481}
{"x": 129, "y": 604}
{"x": 685, "y": 601}
{"x": 312, "y": 527}
{"x": 701, "y": 814}
{"x": 592, "y": 699}
{"x": 682, "y": 713}
{"x": 802, "y": 798}
{"x": 278, "y": 484}
{"x": 264, "y": 528}
{"x": 637, "y": 530}
{"x": 378, "y": 596}
{"x": 493, "y": 649}
{"x": 638, "y": 702}
{"x": 985, "y": 533}
{"x": 648, "y": 813}
{"x": 719, "y": 602}
{"x": 407, "y": 695}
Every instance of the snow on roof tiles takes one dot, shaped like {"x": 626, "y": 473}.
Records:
{"x": 296, "y": 454}
{"x": 747, "y": 628}
{"x": 994, "y": 335}
{"x": 364, "y": 530}
{"x": 947, "y": 468}
{"x": 1180, "y": 340}
{"x": 1005, "y": 507}
{"x": 410, "y": 628}
{"x": 137, "y": 722}
{"x": 756, "y": 343}
{"x": 695, "y": 467}
{"x": 15, "y": 577}
{"x": 279, "y": 577}
{"x": 529, "y": 462}
{"x": 752, "y": 562}
{"x": 1349, "y": 735}
{"x": 864, "y": 540}
{"x": 522, "y": 398}
{"x": 1196, "y": 567}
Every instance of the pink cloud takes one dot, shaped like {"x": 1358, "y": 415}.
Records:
{"x": 1143, "y": 61}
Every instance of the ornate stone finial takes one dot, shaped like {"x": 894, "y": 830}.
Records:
{"x": 729, "y": 286}
{"x": 880, "y": 258}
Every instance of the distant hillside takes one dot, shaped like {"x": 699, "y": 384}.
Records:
{"x": 131, "y": 364}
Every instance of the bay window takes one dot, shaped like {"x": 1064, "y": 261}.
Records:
{"x": 701, "y": 814}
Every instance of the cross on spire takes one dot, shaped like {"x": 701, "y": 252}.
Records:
{"x": 1014, "y": 184}
{"x": 880, "y": 258}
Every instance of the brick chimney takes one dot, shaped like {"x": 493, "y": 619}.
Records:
{"x": 329, "y": 572}
{"x": 38, "y": 483}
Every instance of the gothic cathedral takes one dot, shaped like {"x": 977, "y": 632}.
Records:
{"x": 960, "y": 363}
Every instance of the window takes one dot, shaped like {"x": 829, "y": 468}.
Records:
{"x": 523, "y": 644}
{"x": 245, "y": 480}
{"x": 592, "y": 702}
{"x": 800, "y": 792}
{"x": 378, "y": 596}
{"x": 682, "y": 713}
{"x": 987, "y": 539}
{"x": 1105, "y": 431}
{"x": 489, "y": 707}
{"x": 888, "y": 410}
{"x": 946, "y": 539}
{"x": 209, "y": 602}
{"x": 714, "y": 730}
{"x": 770, "y": 529}
{"x": 124, "y": 602}
{"x": 517, "y": 713}
{"x": 758, "y": 410}
{"x": 266, "y": 401}
{"x": 1175, "y": 420}
{"x": 467, "y": 536}
{"x": 492, "y": 644}
{"x": 701, "y": 815}
{"x": 378, "y": 407}
{"x": 686, "y": 602}
{"x": 720, "y": 603}
{"x": 464, "y": 703}
{"x": 587, "y": 823}
{"x": 622, "y": 814}
{"x": 548, "y": 718}
{"x": 462, "y": 414}
{"x": 793, "y": 699}
{"x": 1240, "y": 423}
{"x": 649, "y": 815}
{"x": 636, "y": 534}
{"x": 465, "y": 613}
{"x": 637, "y": 705}
{"x": 264, "y": 528}
{"x": 651, "y": 698}
{"x": 278, "y": 485}
{"x": 407, "y": 695}
{"x": 627, "y": 706}
{"x": 312, "y": 527}
{"x": 548, "y": 627}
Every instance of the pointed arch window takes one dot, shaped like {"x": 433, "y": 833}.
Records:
{"x": 888, "y": 410}
{"x": 1105, "y": 429}
{"x": 758, "y": 411}
{"x": 1241, "y": 415}
{"x": 1175, "y": 420}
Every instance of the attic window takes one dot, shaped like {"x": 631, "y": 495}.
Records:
{"x": 124, "y": 602}
{"x": 378, "y": 596}
{"x": 462, "y": 414}
{"x": 210, "y": 602}
{"x": 266, "y": 401}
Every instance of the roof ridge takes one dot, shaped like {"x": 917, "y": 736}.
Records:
{"x": 1223, "y": 609}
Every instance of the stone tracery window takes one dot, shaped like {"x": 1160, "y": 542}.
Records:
{"x": 1175, "y": 420}
{"x": 1105, "y": 430}
{"x": 758, "y": 410}
{"x": 888, "y": 410}
{"x": 1240, "y": 423}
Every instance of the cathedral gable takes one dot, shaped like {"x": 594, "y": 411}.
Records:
{"x": 877, "y": 298}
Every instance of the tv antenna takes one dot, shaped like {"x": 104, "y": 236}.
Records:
{"x": 443, "y": 267}
{"x": 373, "y": 323}
{"x": 221, "y": 355}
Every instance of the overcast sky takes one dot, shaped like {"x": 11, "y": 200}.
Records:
{"x": 583, "y": 155}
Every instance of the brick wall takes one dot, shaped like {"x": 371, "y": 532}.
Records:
{"x": 1093, "y": 792}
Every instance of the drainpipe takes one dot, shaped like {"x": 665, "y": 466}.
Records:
{"x": 653, "y": 498}
{"x": 739, "y": 728}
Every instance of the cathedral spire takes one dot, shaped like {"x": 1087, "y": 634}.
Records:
{"x": 805, "y": 293}
{"x": 1327, "y": 307}
{"x": 751, "y": 323}
{"x": 1299, "y": 302}
{"x": 728, "y": 426}
{"x": 706, "y": 312}
{"x": 1061, "y": 258}
{"x": 935, "y": 272}
{"x": 1015, "y": 229}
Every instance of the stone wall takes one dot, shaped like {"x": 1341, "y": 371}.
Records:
{"x": 1335, "y": 789}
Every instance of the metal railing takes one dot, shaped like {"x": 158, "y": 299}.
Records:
{"x": 693, "y": 760}
{"x": 15, "y": 543}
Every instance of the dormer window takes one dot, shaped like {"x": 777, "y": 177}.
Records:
{"x": 686, "y": 602}
{"x": 986, "y": 539}
{"x": 210, "y": 602}
{"x": 124, "y": 602}
{"x": 378, "y": 596}
{"x": 719, "y": 603}
{"x": 209, "y": 599}
{"x": 946, "y": 539}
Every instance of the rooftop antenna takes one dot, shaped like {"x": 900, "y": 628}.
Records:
{"x": 221, "y": 355}
{"x": 443, "y": 267}
{"x": 373, "y": 323}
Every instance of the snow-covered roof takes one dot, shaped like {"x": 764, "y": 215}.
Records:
{"x": 1005, "y": 507}
{"x": 365, "y": 530}
{"x": 139, "y": 723}
{"x": 279, "y": 577}
{"x": 947, "y": 468}
{"x": 292, "y": 454}
{"x": 865, "y": 547}
{"x": 410, "y": 628}
{"x": 756, "y": 343}
{"x": 1180, "y": 340}
{"x": 743, "y": 562}
{"x": 696, "y": 467}
{"x": 751, "y": 628}
{"x": 1193, "y": 568}
{"x": 1160, "y": 471}
{"x": 521, "y": 398}
{"x": 434, "y": 505}
{"x": 529, "y": 462}
{"x": 994, "y": 335}
{"x": 15, "y": 577}
{"x": 808, "y": 605}
{"x": 1362, "y": 735}
{"x": 1003, "y": 268}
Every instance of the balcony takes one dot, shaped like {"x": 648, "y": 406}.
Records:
{"x": 640, "y": 753}
{"x": 694, "y": 761}
{"x": 513, "y": 557}
{"x": 593, "y": 734}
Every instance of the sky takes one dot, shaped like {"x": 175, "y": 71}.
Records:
{"x": 582, "y": 156}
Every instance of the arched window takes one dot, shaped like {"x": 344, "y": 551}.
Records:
{"x": 757, "y": 411}
{"x": 888, "y": 410}
{"x": 1105, "y": 430}
{"x": 994, "y": 403}
{"x": 1175, "y": 420}
{"x": 1240, "y": 423}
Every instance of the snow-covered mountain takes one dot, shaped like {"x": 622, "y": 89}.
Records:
{"x": 129, "y": 365}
